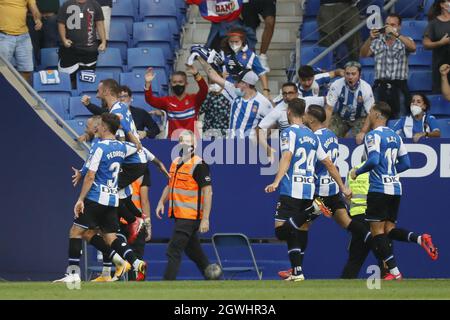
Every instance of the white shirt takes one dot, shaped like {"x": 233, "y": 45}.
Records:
{"x": 278, "y": 116}
{"x": 246, "y": 114}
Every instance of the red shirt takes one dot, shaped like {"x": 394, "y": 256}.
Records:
{"x": 181, "y": 114}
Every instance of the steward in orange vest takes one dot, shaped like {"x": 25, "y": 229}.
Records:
{"x": 189, "y": 193}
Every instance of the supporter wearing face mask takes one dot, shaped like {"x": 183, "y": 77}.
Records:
{"x": 237, "y": 56}
{"x": 182, "y": 108}
{"x": 420, "y": 123}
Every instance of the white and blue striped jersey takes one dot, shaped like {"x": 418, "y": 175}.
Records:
{"x": 246, "y": 114}
{"x": 325, "y": 184}
{"x": 305, "y": 147}
{"x": 385, "y": 150}
{"x": 277, "y": 118}
{"x": 142, "y": 156}
{"x": 105, "y": 160}
{"x": 94, "y": 141}
{"x": 350, "y": 104}
{"x": 126, "y": 120}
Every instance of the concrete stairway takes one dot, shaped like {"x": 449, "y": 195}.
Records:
{"x": 288, "y": 19}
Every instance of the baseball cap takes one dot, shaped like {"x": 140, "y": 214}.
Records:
{"x": 247, "y": 76}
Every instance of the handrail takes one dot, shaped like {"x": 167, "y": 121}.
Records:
{"x": 347, "y": 35}
{"x": 42, "y": 103}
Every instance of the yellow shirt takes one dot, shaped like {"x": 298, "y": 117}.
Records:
{"x": 13, "y": 16}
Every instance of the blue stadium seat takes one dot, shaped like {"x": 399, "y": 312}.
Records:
{"x": 444, "y": 125}
{"x": 124, "y": 11}
{"x": 419, "y": 80}
{"x": 310, "y": 32}
{"x": 408, "y": 8}
{"x": 367, "y": 62}
{"x": 84, "y": 87}
{"x": 147, "y": 57}
{"x": 368, "y": 75}
{"x": 173, "y": 26}
{"x": 61, "y": 89}
{"x": 60, "y": 105}
{"x": 421, "y": 57}
{"x": 119, "y": 38}
{"x": 77, "y": 110}
{"x": 311, "y": 10}
{"x": 414, "y": 29}
{"x": 391, "y": 123}
{"x": 427, "y": 6}
{"x": 146, "y": 34}
{"x": 307, "y": 53}
{"x": 110, "y": 61}
{"x": 135, "y": 81}
{"x": 439, "y": 106}
{"x": 78, "y": 125}
{"x": 160, "y": 8}
{"x": 49, "y": 58}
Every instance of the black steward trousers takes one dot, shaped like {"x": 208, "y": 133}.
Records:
{"x": 184, "y": 239}
{"x": 358, "y": 252}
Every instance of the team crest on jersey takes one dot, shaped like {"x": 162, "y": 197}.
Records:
{"x": 360, "y": 99}
{"x": 370, "y": 141}
{"x": 244, "y": 56}
{"x": 255, "y": 109}
{"x": 186, "y": 103}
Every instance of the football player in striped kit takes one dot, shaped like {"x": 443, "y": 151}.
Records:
{"x": 98, "y": 200}
{"x": 300, "y": 151}
{"x": 387, "y": 158}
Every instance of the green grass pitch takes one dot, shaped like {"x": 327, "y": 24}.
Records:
{"x": 230, "y": 290}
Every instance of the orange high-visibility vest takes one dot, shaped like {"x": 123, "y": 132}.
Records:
{"x": 185, "y": 200}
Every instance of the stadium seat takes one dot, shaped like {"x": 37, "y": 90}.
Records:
{"x": 77, "y": 110}
{"x": 49, "y": 58}
{"x": 142, "y": 58}
{"x": 84, "y": 87}
{"x": 173, "y": 26}
{"x": 135, "y": 80}
{"x": 408, "y": 8}
{"x": 311, "y": 10}
{"x": 146, "y": 34}
{"x": 119, "y": 38}
{"x": 439, "y": 106}
{"x": 367, "y": 62}
{"x": 160, "y": 8}
{"x": 419, "y": 80}
{"x": 110, "y": 61}
{"x": 414, "y": 29}
{"x": 309, "y": 32}
{"x": 237, "y": 247}
{"x": 391, "y": 123}
{"x": 421, "y": 57}
{"x": 78, "y": 125}
{"x": 124, "y": 11}
{"x": 60, "y": 105}
{"x": 368, "y": 75}
{"x": 444, "y": 125}
{"x": 307, "y": 53}
{"x": 61, "y": 89}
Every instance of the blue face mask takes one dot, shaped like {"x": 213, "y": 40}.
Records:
{"x": 239, "y": 92}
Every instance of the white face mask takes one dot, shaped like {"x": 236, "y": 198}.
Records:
{"x": 215, "y": 88}
{"x": 416, "y": 110}
{"x": 235, "y": 47}
{"x": 239, "y": 92}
